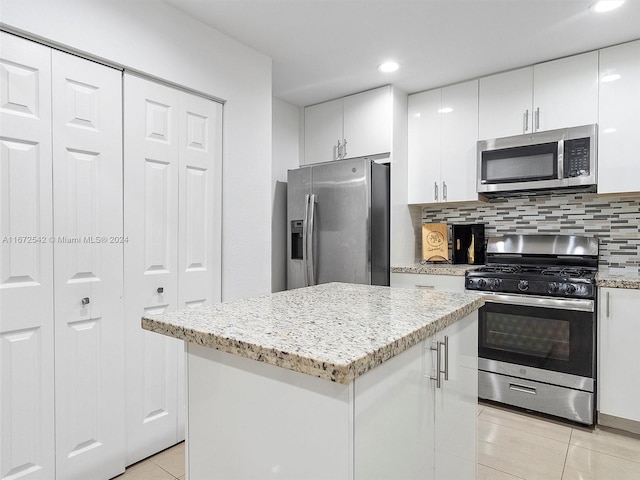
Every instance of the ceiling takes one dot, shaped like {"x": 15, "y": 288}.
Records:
{"x": 324, "y": 49}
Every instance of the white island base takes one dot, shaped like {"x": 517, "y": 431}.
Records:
{"x": 251, "y": 420}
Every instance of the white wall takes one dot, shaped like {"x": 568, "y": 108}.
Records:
{"x": 286, "y": 155}
{"x": 157, "y": 39}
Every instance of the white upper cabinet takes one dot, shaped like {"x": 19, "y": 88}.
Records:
{"x": 443, "y": 134}
{"x": 504, "y": 101}
{"x": 557, "y": 94}
{"x": 354, "y": 126}
{"x": 619, "y": 121}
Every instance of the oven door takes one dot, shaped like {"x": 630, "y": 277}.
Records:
{"x": 549, "y": 334}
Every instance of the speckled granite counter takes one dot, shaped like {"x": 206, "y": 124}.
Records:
{"x": 333, "y": 331}
{"x": 618, "y": 278}
{"x": 436, "y": 269}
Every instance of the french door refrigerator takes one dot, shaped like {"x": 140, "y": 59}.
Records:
{"x": 338, "y": 223}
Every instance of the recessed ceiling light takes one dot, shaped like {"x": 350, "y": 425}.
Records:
{"x": 612, "y": 77}
{"x": 606, "y": 5}
{"x": 445, "y": 110}
{"x": 389, "y": 66}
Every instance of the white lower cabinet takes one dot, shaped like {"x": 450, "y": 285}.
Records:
{"x": 448, "y": 283}
{"x": 408, "y": 426}
{"x": 619, "y": 370}
{"x": 172, "y": 199}
{"x": 61, "y": 323}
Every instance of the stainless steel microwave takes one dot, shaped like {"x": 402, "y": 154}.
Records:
{"x": 544, "y": 161}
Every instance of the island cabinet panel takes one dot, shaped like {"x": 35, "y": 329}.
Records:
{"x": 248, "y": 419}
{"x": 618, "y": 367}
{"x": 408, "y": 426}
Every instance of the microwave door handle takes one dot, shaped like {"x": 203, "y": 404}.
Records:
{"x": 561, "y": 159}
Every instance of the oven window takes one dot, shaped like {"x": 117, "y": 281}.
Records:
{"x": 520, "y": 164}
{"x": 545, "y": 338}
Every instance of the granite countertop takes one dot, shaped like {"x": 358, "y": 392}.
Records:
{"x": 436, "y": 269}
{"x": 334, "y": 331}
{"x": 618, "y": 278}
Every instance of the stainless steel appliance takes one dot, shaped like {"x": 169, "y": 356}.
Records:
{"x": 543, "y": 161}
{"x": 338, "y": 223}
{"x": 537, "y": 331}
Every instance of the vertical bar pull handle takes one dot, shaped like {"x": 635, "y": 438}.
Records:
{"x": 311, "y": 261}
{"x": 444, "y": 191}
{"x": 437, "y": 378}
{"x": 435, "y": 189}
{"x": 525, "y": 123}
{"x": 344, "y": 148}
{"x": 537, "y": 119}
{"x": 608, "y": 303}
{"x": 446, "y": 357}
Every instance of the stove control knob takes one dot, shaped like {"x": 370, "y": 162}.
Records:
{"x": 494, "y": 283}
{"x": 523, "y": 285}
{"x": 482, "y": 282}
{"x": 554, "y": 287}
{"x": 571, "y": 289}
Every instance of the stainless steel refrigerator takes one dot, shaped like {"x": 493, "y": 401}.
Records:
{"x": 338, "y": 223}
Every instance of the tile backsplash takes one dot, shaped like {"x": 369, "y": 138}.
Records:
{"x": 615, "y": 220}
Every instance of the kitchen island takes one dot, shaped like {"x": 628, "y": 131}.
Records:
{"x": 331, "y": 381}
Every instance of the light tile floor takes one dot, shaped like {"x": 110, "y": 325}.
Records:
{"x": 512, "y": 445}
{"x": 517, "y": 445}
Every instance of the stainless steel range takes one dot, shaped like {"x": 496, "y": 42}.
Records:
{"x": 537, "y": 331}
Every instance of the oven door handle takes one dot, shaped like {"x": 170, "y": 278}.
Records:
{"x": 576, "y": 304}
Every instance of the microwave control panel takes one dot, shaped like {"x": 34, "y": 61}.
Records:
{"x": 576, "y": 157}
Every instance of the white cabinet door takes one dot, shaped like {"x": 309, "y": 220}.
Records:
{"x": 354, "y": 126}
{"x": 424, "y": 147}
{"x": 619, "y": 370}
{"x": 151, "y": 264}
{"x": 88, "y": 254}
{"x": 566, "y": 92}
{"x": 458, "y": 143}
{"x": 26, "y": 262}
{"x": 322, "y": 131}
{"x": 619, "y": 120}
{"x": 447, "y": 283}
{"x": 394, "y": 423}
{"x": 505, "y": 104}
{"x": 557, "y": 94}
{"x": 442, "y": 139}
{"x": 456, "y": 402}
{"x": 367, "y": 123}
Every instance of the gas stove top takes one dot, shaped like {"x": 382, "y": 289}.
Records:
{"x": 553, "y": 266}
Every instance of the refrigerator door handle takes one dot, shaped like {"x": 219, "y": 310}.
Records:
{"x": 310, "y": 229}
{"x": 305, "y": 230}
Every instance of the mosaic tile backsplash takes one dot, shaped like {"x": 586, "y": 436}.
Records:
{"x": 615, "y": 220}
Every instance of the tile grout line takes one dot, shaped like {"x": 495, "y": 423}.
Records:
{"x": 566, "y": 455}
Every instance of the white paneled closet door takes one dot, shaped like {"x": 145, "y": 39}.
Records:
{"x": 200, "y": 213}
{"x": 88, "y": 256}
{"x": 26, "y": 262}
{"x": 151, "y": 264}
{"x": 173, "y": 198}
